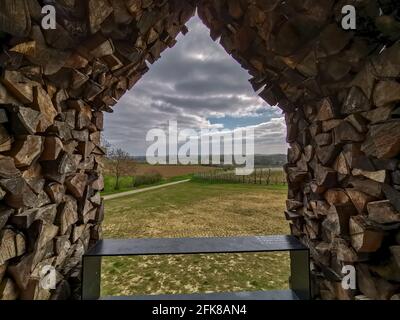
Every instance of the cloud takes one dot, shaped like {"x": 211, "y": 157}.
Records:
{"x": 199, "y": 85}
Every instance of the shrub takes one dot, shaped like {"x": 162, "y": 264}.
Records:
{"x": 146, "y": 179}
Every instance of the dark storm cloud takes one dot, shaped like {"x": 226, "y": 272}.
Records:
{"x": 192, "y": 82}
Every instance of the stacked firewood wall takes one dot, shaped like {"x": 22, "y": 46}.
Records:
{"x": 339, "y": 91}
{"x": 54, "y": 88}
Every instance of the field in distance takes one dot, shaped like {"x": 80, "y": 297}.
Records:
{"x": 166, "y": 171}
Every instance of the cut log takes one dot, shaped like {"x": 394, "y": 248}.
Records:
{"x": 378, "y": 176}
{"x": 98, "y": 11}
{"x": 341, "y": 165}
{"x": 3, "y": 269}
{"x": 67, "y": 215}
{"x": 3, "y": 116}
{"x": 6, "y": 139}
{"x": 5, "y": 213}
{"x": 326, "y": 110}
{"x": 325, "y": 176}
{"x": 296, "y": 176}
{"x": 25, "y": 219}
{"x": 98, "y": 120}
{"x": 364, "y": 238}
{"x": 78, "y": 79}
{"x": 58, "y": 169}
{"x": 329, "y": 125}
{"x": 86, "y": 148}
{"x": 344, "y": 252}
{"x": 29, "y": 119}
{"x": 336, "y": 197}
{"x": 323, "y": 139}
{"x": 291, "y": 215}
{"x": 359, "y": 199}
{"x": 52, "y": 148}
{"x": 7, "y": 168}
{"x": 346, "y": 133}
{"x": 98, "y": 184}
{"x": 383, "y": 140}
{"x": 386, "y": 92}
{"x": 12, "y": 245}
{"x": 7, "y": 98}
{"x": 77, "y": 232}
{"x": 356, "y": 101}
{"x": 100, "y": 213}
{"x": 385, "y": 164}
{"x": 40, "y": 236}
{"x": 42, "y": 102}
{"x": 55, "y": 191}
{"x": 27, "y": 150}
{"x": 92, "y": 90}
{"x": 77, "y": 184}
{"x": 370, "y": 187}
{"x": 396, "y": 177}
{"x": 327, "y": 154}
{"x": 80, "y": 135}
{"x": 18, "y": 195}
{"x": 320, "y": 208}
{"x": 292, "y": 205}
{"x": 62, "y": 130}
{"x": 2, "y": 194}
{"x": 8, "y": 290}
{"x": 395, "y": 250}
{"x": 19, "y": 86}
{"x": 382, "y": 212}
{"x": 322, "y": 253}
{"x": 392, "y": 195}
{"x": 378, "y": 115}
{"x": 373, "y": 287}
{"x": 294, "y": 153}
{"x": 352, "y": 153}
{"x": 21, "y": 271}
{"x": 358, "y": 122}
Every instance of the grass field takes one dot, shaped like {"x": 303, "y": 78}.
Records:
{"x": 196, "y": 210}
{"x": 126, "y": 183}
{"x": 169, "y": 173}
{"x": 166, "y": 171}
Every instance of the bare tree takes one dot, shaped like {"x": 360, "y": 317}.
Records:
{"x": 120, "y": 163}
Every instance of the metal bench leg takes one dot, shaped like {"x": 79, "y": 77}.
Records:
{"x": 91, "y": 274}
{"x": 300, "y": 273}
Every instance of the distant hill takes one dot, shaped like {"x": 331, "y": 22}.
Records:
{"x": 260, "y": 160}
{"x": 270, "y": 160}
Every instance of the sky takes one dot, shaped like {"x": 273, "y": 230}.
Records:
{"x": 199, "y": 85}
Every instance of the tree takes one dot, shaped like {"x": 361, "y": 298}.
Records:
{"x": 119, "y": 159}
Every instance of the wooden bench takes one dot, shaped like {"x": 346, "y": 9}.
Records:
{"x": 299, "y": 263}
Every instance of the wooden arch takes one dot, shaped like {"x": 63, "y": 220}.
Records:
{"x": 339, "y": 90}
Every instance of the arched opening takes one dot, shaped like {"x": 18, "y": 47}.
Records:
{"x": 198, "y": 85}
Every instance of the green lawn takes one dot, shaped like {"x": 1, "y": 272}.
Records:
{"x": 196, "y": 210}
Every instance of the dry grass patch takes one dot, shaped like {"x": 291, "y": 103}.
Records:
{"x": 196, "y": 210}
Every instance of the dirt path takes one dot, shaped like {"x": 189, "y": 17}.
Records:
{"x": 128, "y": 193}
